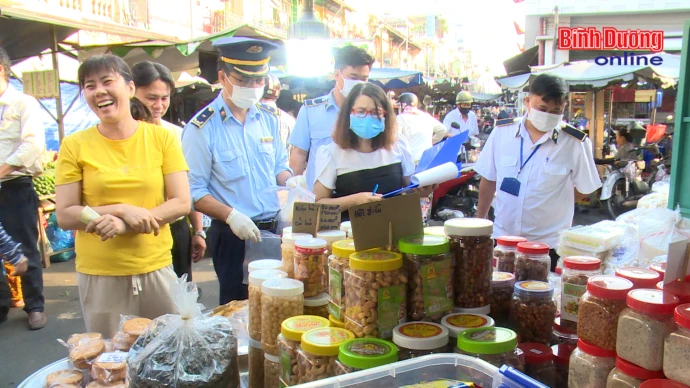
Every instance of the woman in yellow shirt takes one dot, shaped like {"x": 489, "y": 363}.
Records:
{"x": 134, "y": 175}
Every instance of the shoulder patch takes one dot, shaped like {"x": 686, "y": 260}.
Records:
{"x": 503, "y": 122}
{"x": 316, "y": 101}
{"x": 270, "y": 109}
{"x": 203, "y": 117}
{"x": 574, "y": 132}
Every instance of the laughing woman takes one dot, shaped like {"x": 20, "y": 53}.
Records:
{"x": 134, "y": 175}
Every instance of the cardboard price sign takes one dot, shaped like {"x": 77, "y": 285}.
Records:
{"x": 384, "y": 223}
{"x": 312, "y": 218}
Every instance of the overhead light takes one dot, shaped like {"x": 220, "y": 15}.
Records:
{"x": 308, "y": 26}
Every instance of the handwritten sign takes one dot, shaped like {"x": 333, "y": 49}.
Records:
{"x": 379, "y": 224}
{"x": 41, "y": 84}
{"x": 313, "y": 217}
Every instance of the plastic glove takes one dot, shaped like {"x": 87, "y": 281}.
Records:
{"x": 297, "y": 181}
{"x": 243, "y": 226}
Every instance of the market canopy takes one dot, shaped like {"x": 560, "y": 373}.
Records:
{"x": 485, "y": 97}
{"x": 390, "y": 78}
{"x": 520, "y": 64}
{"x": 516, "y": 82}
{"x": 35, "y": 37}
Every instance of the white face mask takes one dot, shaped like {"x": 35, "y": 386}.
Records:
{"x": 543, "y": 121}
{"x": 348, "y": 84}
{"x": 244, "y": 97}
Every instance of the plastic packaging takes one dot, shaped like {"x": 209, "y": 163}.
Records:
{"x": 338, "y": 261}
{"x": 563, "y": 336}
{"x": 186, "y": 350}
{"x": 265, "y": 264}
{"x": 590, "y": 366}
{"x": 287, "y": 249}
{"x": 310, "y": 266}
{"x": 495, "y": 345}
{"x": 599, "y": 237}
{"x": 472, "y": 249}
{"x": 316, "y": 305}
{"x": 505, "y": 252}
{"x": 110, "y": 367}
{"x": 640, "y": 277}
{"x": 662, "y": 383}
{"x": 291, "y": 331}
{"x": 576, "y": 273}
{"x": 533, "y": 262}
{"x": 375, "y": 293}
{"x": 256, "y": 364}
{"x": 561, "y": 361}
{"x": 364, "y": 353}
{"x": 643, "y": 326}
{"x": 271, "y": 371}
{"x": 533, "y": 311}
{"x": 557, "y": 284}
{"x": 256, "y": 279}
{"x": 677, "y": 347}
{"x": 456, "y": 323}
{"x": 319, "y": 351}
{"x": 629, "y": 375}
{"x": 280, "y": 299}
{"x": 131, "y": 328}
{"x": 416, "y": 339}
{"x": 539, "y": 363}
{"x": 502, "y": 285}
{"x": 599, "y": 310}
{"x": 65, "y": 378}
{"x": 430, "y": 274}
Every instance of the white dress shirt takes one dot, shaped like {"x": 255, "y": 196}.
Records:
{"x": 421, "y": 130}
{"x": 177, "y": 130}
{"x": 22, "y": 136}
{"x": 469, "y": 125}
{"x": 546, "y": 203}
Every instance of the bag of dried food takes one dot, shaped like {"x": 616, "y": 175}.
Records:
{"x": 186, "y": 350}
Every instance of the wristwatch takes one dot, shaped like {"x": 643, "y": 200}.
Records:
{"x": 201, "y": 234}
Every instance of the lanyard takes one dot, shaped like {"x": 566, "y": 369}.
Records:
{"x": 522, "y": 165}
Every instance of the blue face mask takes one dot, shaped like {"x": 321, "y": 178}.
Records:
{"x": 366, "y": 127}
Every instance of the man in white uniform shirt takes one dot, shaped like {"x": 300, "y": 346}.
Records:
{"x": 463, "y": 115}
{"x": 421, "y": 130}
{"x": 536, "y": 167}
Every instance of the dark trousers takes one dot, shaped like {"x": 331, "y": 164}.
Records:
{"x": 182, "y": 248}
{"x": 554, "y": 259}
{"x": 228, "y": 257}
{"x": 19, "y": 217}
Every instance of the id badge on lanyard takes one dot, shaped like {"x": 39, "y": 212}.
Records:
{"x": 512, "y": 185}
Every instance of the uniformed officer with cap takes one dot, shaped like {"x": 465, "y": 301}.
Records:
{"x": 235, "y": 154}
{"x": 535, "y": 166}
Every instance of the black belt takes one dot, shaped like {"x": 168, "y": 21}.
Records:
{"x": 22, "y": 180}
{"x": 265, "y": 225}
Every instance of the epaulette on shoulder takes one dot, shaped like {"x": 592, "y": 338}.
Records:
{"x": 316, "y": 101}
{"x": 203, "y": 117}
{"x": 503, "y": 122}
{"x": 574, "y": 132}
{"x": 270, "y": 109}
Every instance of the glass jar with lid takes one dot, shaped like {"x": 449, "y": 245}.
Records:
{"x": 677, "y": 347}
{"x": 640, "y": 277}
{"x": 576, "y": 272}
{"x": 472, "y": 249}
{"x": 287, "y": 249}
{"x": 338, "y": 261}
{"x": 456, "y": 323}
{"x": 495, "y": 345}
{"x": 291, "y": 331}
{"x": 502, "y": 285}
{"x": 375, "y": 293}
{"x": 539, "y": 363}
{"x": 561, "y": 361}
{"x": 310, "y": 265}
{"x": 416, "y": 339}
{"x": 562, "y": 335}
{"x": 590, "y": 366}
{"x": 256, "y": 279}
{"x": 430, "y": 277}
{"x": 628, "y": 375}
{"x": 280, "y": 300}
{"x": 643, "y": 326}
{"x": 364, "y": 353}
{"x": 505, "y": 252}
{"x": 533, "y": 311}
{"x": 316, "y": 305}
{"x": 533, "y": 262}
{"x": 599, "y": 310}
{"x": 316, "y": 358}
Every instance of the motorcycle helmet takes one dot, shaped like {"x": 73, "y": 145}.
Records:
{"x": 272, "y": 88}
{"x": 408, "y": 99}
{"x": 463, "y": 98}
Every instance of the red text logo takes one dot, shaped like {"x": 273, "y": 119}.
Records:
{"x": 609, "y": 38}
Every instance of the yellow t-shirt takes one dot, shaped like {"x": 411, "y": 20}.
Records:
{"x": 128, "y": 171}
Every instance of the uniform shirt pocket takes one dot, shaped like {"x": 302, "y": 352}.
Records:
{"x": 507, "y": 167}
{"x": 268, "y": 152}
{"x": 229, "y": 164}
{"x": 552, "y": 177}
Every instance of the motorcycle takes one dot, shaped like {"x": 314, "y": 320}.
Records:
{"x": 458, "y": 198}
{"x": 623, "y": 187}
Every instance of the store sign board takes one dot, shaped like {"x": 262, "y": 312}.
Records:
{"x": 383, "y": 223}
{"x": 314, "y": 217}
{"x": 41, "y": 84}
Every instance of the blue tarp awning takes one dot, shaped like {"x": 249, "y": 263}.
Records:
{"x": 395, "y": 78}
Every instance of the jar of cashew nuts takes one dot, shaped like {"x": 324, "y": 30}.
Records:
{"x": 256, "y": 279}
{"x": 271, "y": 371}
{"x": 338, "y": 261}
{"x": 256, "y": 364}
{"x": 375, "y": 293}
{"x": 473, "y": 249}
{"x": 280, "y": 299}
{"x": 430, "y": 277}
{"x": 291, "y": 331}
{"x": 316, "y": 305}
{"x": 310, "y": 266}
{"x": 336, "y": 322}
{"x": 417, "y": 339}
{"x": 364, "y": 353}
{"x": 287, "y": 249}
{"x": 318, "y": 353}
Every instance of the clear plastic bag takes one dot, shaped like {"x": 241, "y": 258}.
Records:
{"x": 599, "y": 237}
{"x": 268, "y": 248}
{"x": 657, "y": 229}
{"x": 186, "y": 350}
{"x": 295, "y": 191}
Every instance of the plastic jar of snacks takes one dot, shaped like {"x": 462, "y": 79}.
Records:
{"x": 319, "y": 351}
{"x": 435, "y": 231}
{"x": 364, "y": 353}
{"x": 265, "y": 264}
{"x": 457, "y": 323}
{"x": 576, "y": 272}
{"x": 679, "y": 288}
{"x": 375, "y": 293}
{"x": 338, "y": 261}
{"x": 599, "y": 310}
{"x": 539, "y": 363}
{"x": 486, "y": 310}
{"x": 533, "y": 262}
{"x": 256, "y": 279}
{"x": 502, "y": 286}
{"x": 590, "y": 366}
{"x": 310, "y": 266}
{"x": 533, "y": 311}
{"x": 643, "y": 326}
{"x": 430, "y": 277}
{"x": 331, "y": 237}
{"x": 291, "y": 331}
{"x": 561, "y": 361}
{"x": 640, "y": 277}
{"x": 271, "y": 371}
{"x": 662, "y": 383}
{"x": 280, "y": 300}
{"x": 316, "y": 305}
{"x": 336, "y": 322}
{"x": 677, "y": 347}
{"x": 561, "y": 335}
{"x": 473, "y": 250}
{"x": 416, "y": 339}
{"x": 347, "y": 228}
{"x": 287, "y": 249}
{"x": 495, "y": 345}
{"x": 628, "y": 375}
{"x": 505, "y": 252}
{"x": 660, "y": 268}
{"x": 256, "y": 364}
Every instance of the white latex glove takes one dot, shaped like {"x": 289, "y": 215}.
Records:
{"x": 243, "y": 226}
{"x": 296, "y": 181}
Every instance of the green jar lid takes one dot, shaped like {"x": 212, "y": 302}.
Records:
{"x": 487, "y": 340}
{"x": 424, "y": 245}
{"x": 365, "y": 353}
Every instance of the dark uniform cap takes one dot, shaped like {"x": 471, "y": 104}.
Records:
{"x": 247, "y": 56}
